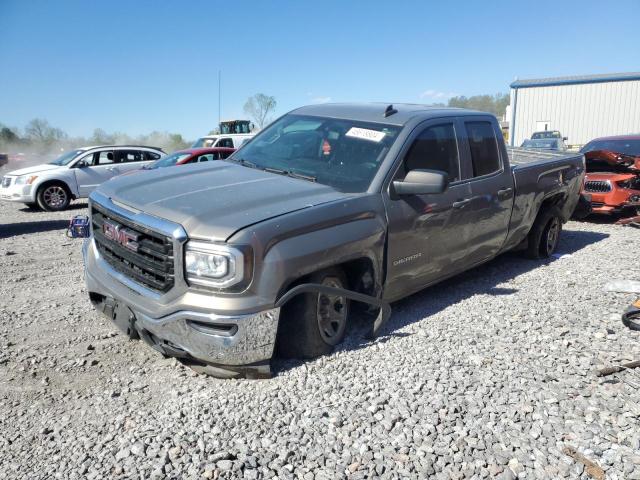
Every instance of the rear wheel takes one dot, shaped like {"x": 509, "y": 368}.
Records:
{"x": 545, "y": 234}
{"x": 313, "y": 323}
{"x": 54, "y": 197}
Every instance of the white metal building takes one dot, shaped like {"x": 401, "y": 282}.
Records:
{"x": 580, "y": 107}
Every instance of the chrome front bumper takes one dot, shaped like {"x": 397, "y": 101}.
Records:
{"x": 180, "y": 325}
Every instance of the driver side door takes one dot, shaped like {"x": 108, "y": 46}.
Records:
{"x": 428, "y": 233}
{"x": 94, "y": 169}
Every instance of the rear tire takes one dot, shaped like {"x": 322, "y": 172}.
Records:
{"x": 545, "y": 234}
{"x": 54, "y": 197}
{"x": 312, "y": 324}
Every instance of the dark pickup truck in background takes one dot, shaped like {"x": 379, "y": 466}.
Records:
{"x": 223, "y": 264}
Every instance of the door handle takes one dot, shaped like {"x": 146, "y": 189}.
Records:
{"x": 504, "y": 193}
{"x": 112, "y": 169}
{"x": 461, "y": 203}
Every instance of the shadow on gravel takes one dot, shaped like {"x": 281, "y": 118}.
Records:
{"x": 477, "y": 281}
{"x": 23, "y": 228}
{"x": 71, "y": 207}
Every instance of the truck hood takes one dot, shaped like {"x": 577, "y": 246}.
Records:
{"x": 214, "y": 200}
{"x": 35, "y": 169}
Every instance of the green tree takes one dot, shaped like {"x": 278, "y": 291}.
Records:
{"x": 496, "y": 104}
{"x": 259, "y": 108}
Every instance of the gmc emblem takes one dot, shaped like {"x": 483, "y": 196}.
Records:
{"x": 119, "y": 234}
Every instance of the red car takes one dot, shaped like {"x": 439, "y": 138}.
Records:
{"x": 192, "y": 155}
{"x": 613, "y": 174}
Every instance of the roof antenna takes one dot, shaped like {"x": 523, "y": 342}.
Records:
{"x": 390, "y": 111}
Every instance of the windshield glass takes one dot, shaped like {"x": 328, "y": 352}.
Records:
{"x": 204, "y": 142}
{"x": 628, "y": 147}
{"x": 343, "y": 154}
{"x": 66, "y": 158}
{"x": 169, "y": 160}
{"x": 543, "y": 144}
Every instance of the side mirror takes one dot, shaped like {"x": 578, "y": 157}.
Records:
{"x": 422, "y": 182}
{"x": 565, "y": 138}
{"x": 82, "y": 164}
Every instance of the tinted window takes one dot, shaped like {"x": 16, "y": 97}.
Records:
{"x": 225, "y": 142}
{"x": 151, "y": 156}
{"x": 103, "y": 158}
{"x": 130, "y": 156}
{"x": 484, "y": 148}
{"x": 435, "y": 149}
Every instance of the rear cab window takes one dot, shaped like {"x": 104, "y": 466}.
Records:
{"x": 483, "y": 146}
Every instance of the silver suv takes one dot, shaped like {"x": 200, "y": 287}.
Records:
{"x": 75, "y": 174}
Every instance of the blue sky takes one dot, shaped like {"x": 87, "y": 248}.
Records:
{"x": 140, "y": 66}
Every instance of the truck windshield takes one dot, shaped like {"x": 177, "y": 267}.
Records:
{"x": 541, "y": 144}
{"x": 343, "y": 154}
{"x": 66, "y": 158}
{"x": 204, "y": 142}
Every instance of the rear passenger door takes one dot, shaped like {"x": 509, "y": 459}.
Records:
{"x": 492, "y": 188}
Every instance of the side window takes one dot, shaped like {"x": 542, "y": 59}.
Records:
{"x": 225, "y": 154}
{"x": 484, "y": 148}
{"x": 435, "y": 148}
{"x": 151, "y": 155}
{"x": 128, "y": 156}
{"x": 103, "y": 158}
{"x": 225, "y": 142}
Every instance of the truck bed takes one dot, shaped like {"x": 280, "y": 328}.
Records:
{"x": 521, "y": 157}
{"x": 538, "y": 175}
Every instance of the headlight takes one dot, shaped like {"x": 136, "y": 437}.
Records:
{"x": 26, "y": 179}
{"x": 213, "y": 265}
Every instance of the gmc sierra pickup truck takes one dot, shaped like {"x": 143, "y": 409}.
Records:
{"x": 225, "y": 263}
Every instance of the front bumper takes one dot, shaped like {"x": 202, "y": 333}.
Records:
{"x": 181, "y": 328}
{"x": 17, "y": 193}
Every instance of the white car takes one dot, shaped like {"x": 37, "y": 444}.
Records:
{"x": 230, "y": 140}
{"x": 75, "y": 174}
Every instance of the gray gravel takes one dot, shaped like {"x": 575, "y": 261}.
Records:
{"x": 490, "y": 375}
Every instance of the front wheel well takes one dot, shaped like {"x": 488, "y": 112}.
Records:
{"x": 360, "y": 274}
{"x": 47, "y": 183}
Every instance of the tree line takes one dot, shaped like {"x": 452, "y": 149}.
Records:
{"x": 39, "y": 137}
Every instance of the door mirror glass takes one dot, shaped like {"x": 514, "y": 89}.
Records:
{"x": 422, "y": 182}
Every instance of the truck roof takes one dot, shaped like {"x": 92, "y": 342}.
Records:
{"x": 375, "y": 112}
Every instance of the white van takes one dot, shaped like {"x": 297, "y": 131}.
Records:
{"x": 231, "y": 140}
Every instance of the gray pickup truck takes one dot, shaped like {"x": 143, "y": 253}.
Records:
{"x": 224, "y": 264}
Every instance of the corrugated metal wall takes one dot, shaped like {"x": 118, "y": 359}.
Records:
{"x": 581, "y": 112}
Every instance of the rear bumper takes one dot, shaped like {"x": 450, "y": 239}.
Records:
{"x": 185, "y": 331}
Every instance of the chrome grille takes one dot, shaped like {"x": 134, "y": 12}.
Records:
{"x": 6, "y": 181}
{"x": 597, "y": 186}
{"x": 152, "y": 265}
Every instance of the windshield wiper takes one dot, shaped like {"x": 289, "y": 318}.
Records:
{"x": 290, "y": 173}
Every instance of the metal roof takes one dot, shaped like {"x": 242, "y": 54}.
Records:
{"x": 576, "y": 80}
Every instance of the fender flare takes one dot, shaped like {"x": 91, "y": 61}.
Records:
{"x": 379, "y": 322}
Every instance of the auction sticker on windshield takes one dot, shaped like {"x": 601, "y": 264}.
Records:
{"x": 365, "y": 134}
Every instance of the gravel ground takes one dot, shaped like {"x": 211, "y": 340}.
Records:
{"x": 488, "y": 375}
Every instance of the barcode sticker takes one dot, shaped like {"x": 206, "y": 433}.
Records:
{"x": 365, "y": 134}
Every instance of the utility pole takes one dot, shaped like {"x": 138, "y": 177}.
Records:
{"x": 219, "y": 95}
